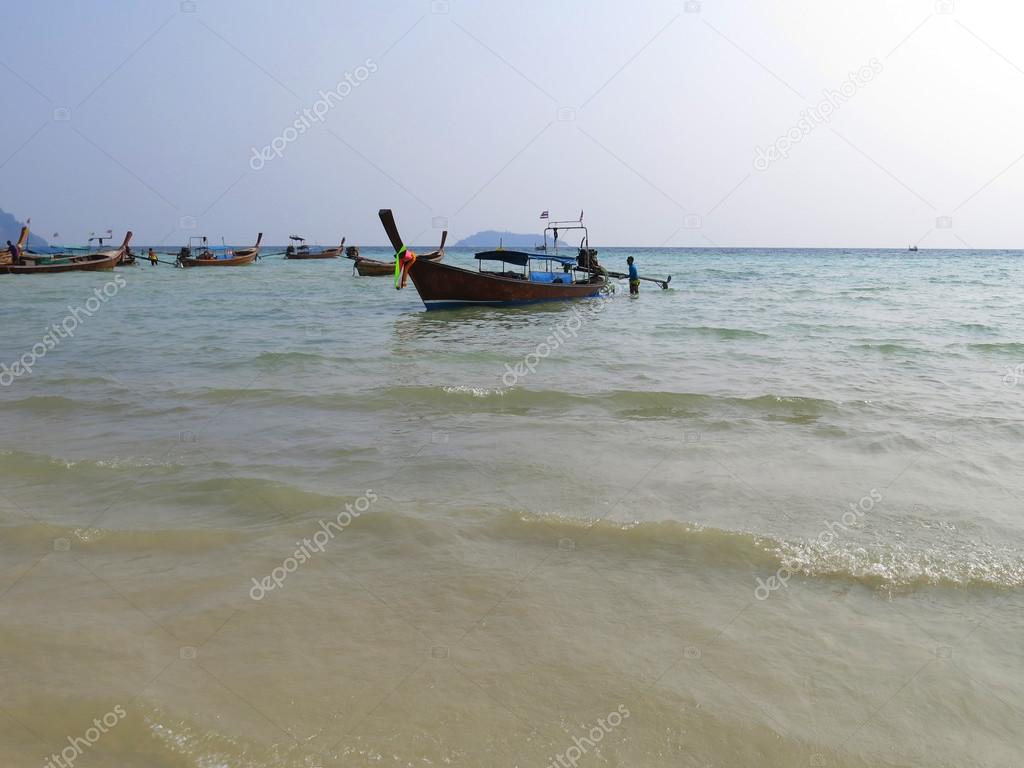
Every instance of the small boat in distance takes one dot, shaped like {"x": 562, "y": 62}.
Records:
{"x": 98, "y": 239}
{"x": 912, "y": 248}
{"x": 544, "y": 277}
{"x": 46, "y": 263}
{"x": 375, "y": 268}
{"x": 299, "y": 250}
{"x": 198, "y": 254}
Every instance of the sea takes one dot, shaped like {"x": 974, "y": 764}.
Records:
{"x": 280, "y": 516}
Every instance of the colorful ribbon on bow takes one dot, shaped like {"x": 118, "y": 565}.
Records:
{"x": 404, "y": 259}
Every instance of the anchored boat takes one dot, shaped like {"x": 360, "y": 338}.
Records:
{"x": 198, "y": 254}
{"x": 375, "y": 268}
{"x": 47, "y": 263}
{"x": 523, "y": 278}
{"x": 299, "y": 250}
{"x": 96, "y": 244}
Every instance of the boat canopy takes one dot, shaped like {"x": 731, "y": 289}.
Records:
{"x": 521, "y": 258}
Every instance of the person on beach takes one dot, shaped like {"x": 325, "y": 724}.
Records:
{"x": 152, "y": 258}
{"x": 15, "y": 252}
{"x": 634, "y": 278}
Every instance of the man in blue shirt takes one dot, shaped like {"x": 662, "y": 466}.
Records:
{"x": 634, "y": 278}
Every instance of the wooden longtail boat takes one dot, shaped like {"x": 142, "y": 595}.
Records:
{"x": 442, "y": 286}
{"x": 90, "y": 250}
{"x": 302, "y": 251}
{"x": 127, "y": 258}
{"x": 375, "y": 268}
{"x": 39, "y": 263}
{"x": 96, "y": 245}
{"x": 200, "y": 255}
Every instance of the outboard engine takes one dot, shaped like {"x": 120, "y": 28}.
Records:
{"x": 587, "y": 259}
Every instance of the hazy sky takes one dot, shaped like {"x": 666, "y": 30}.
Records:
{"x": 648, "y": 115}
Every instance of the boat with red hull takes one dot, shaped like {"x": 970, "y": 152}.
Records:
{"x": 442, "y": 286}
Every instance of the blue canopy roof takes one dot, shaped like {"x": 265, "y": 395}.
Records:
{"x": 521, "y": 258}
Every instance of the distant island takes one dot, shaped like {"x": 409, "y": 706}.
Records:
{"x": 10, "y": 229}
{"x": 491, "y": 238}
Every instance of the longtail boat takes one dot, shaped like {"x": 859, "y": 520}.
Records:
{"x": 198, "y": 254}
{"x": 543, "y": 276}
{"x": 299, "y": 250}
{"x": 126, "y": 259}
{"x": 47, "y": 263}
{"x": 375, "y": 268}
{"x": 95, "y": 245}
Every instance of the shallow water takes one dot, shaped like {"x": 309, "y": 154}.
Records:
{"x": 773, "y": 513}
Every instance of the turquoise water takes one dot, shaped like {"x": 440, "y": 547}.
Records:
{"x": 774, "y": 511}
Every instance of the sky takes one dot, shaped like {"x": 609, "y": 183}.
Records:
{"x": 670, "y": 122}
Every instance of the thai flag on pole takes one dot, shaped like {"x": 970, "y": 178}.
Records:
{"x": 543, "y": 214}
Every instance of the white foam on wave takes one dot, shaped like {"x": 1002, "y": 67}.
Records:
{"x": 898, "y": 565}
{"x": 474, "y": 391}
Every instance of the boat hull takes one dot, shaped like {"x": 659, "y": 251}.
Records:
{"x": 237, "y": 260}
{"x": 374, "y": 268}
{"x": 331, "y": 253}
{"x": 442, "y": 286}
{"x": 102, "y": 261}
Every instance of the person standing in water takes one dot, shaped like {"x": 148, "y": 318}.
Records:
{"x": 15, "y": 252}
{"x": 634, "y": 278}
{"x": 152, "y": 258}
